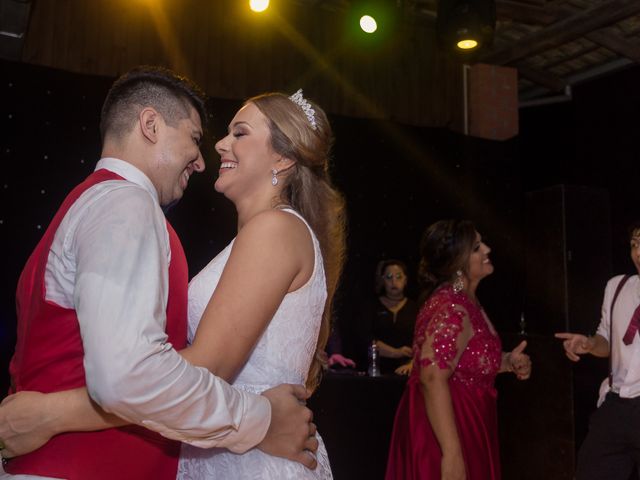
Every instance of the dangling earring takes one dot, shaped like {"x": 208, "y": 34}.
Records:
{"x": 274, "y": 178}
{"x": 458, "y": 283}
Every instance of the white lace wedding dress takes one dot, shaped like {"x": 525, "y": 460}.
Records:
{"x": 283, "y": 355}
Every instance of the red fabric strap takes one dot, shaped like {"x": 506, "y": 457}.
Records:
{"x": 632, "y": 329}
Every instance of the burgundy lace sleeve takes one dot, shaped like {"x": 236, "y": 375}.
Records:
{"x": 442, "y": 328}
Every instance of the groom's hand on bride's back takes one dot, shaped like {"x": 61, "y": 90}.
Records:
{"x": 291, "y": 432}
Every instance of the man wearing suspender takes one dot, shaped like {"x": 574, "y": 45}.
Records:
{"x": 612, "y": 446}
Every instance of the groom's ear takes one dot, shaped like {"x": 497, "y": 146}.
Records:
{"x": 148, "y": 123}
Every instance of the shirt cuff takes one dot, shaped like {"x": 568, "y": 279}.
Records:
{"x": 238, "y": 438}
{"x": 254, "y": 426}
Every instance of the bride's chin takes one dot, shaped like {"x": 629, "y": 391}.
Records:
{"x": 223, "y": 188}
{"x": 219, "y": 185}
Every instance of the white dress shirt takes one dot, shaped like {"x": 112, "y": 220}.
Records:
{"x": 625, "y": 364}
{"x": 109, "y": 261}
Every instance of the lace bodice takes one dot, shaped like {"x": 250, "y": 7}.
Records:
{"x": 440, "y": 321}
{"x": 282, "y": 355}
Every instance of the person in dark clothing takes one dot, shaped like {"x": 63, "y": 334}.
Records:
{"x": 393, "y": 317}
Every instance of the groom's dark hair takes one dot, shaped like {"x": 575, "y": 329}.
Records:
{"x": 149, "y": 86}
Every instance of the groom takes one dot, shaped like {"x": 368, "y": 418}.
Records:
{"x": 102, "y": 302}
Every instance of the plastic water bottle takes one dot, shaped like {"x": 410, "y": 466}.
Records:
{"x": 373, "y": 371}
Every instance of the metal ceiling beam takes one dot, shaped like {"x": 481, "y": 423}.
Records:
{"x": 541, "y": 3}
{"x": 585, "y": 49}
{"x": 565, "y": 31}
{"x": 567, "y": 96}
{"x": 615, "y": 44}
{"x": 598, "y": 71}
{"x": 523, "y": 13}
{"x": 516, "y": 10}
{"x": 542, "y": 78}
{"x": 575, "y": 79}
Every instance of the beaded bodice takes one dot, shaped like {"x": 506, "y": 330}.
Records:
{"x": 440, "y": 322}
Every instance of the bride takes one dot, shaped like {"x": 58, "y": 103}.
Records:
{"x": 259, "y": 312}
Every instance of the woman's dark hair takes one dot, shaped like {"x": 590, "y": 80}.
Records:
{"x": 444, "y": 249}
{"x": 632, "y": 228}
{"x": 380, "y": 269}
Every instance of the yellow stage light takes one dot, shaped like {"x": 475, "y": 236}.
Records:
{"x": 465, "y": 26}
{"x": 467, "y": 44}
{"x": 368, "y": 24}
{"x": 259, "y": 5}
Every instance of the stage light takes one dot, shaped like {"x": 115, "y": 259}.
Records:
{"x": 467, "y": 44}
{"x": 368, "y": 24}
{"x": 465, "y": 25}
{"x": 371, "y": 23}
{"x": 259, "y": 5}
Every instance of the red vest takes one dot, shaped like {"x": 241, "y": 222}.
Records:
{"x": 49, "y": 358}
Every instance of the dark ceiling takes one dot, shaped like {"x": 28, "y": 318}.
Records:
{"x": 554, "y": 44}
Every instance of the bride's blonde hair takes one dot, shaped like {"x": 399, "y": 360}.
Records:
{"x": 307, "y": 187}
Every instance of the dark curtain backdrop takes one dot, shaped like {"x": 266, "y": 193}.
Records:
{"x": 594, "y": 140}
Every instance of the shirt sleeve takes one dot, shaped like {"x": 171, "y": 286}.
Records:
{"x": 605, "y": 318}
{"x": 121, "y": 249}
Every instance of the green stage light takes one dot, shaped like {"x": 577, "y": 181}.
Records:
{"x": 371, "y": 25}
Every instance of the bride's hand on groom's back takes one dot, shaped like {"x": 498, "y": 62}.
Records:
{"x": 291, "y": 432}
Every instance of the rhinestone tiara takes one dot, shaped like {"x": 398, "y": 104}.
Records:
{"x": 299, "y": 100}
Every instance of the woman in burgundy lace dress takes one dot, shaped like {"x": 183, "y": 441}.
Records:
{"x": 446, "y": 426}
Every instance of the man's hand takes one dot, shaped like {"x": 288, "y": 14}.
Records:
{"x": 575, "y": 344}
{"x": 24, "y": 423}
{"x": 291, "y": 432}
